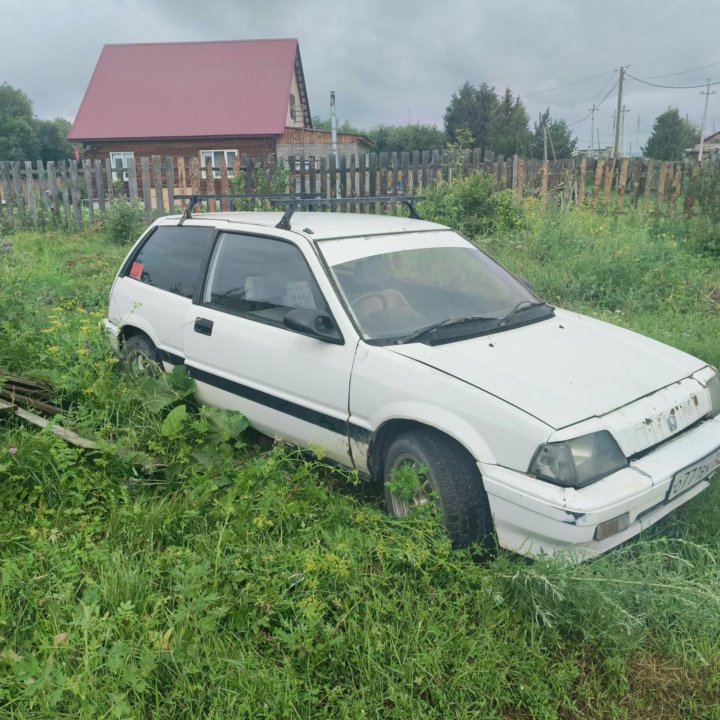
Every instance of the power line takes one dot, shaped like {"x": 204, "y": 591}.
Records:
{"x": 684, "y": 72}
{"x": 670, "y": 87}
{"x": 576, "y": 82}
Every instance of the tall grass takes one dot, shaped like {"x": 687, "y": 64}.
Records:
{"x": 181, "y": 571}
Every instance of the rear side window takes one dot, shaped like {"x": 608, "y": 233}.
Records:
{"x": 171, "y": 259}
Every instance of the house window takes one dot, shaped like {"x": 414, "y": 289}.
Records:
{"x": 214, "y": 157}
{"x": 122, "y": 158}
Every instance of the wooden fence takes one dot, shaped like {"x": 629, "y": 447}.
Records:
{"x": 75, "y": 194}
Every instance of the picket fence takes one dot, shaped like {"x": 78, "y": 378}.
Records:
{"x": 77, "y": 193}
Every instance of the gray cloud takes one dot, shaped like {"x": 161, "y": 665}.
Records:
{"x": 397, "y": 60}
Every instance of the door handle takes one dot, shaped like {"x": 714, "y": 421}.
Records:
{"x": 203, "y": 326}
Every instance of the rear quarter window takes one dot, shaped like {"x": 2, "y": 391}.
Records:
{"x": 172, "y": 259}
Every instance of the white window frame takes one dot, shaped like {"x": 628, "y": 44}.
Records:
{"x": 206, "y": 155}
{"x": 123, "y": 156}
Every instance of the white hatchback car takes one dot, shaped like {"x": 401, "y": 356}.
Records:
{"x": 393, "y": 343}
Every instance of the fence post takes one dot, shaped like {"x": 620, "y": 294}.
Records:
{"x": 224, "y": 184}
{"x": 75, "y": 193}
{"x": 582, "y": 169}
{"x": 87, "y": 177}
{"x": 99, "y": 185}
{"x": 157, "y": 177}
{"x": 65, "y": 191}
{"x": 609, "y": 175}
{"x": 30, "y": 190}
{"x": 622, "y": 181}
{"x": 661, "y": 185}
{"x": 519, "y": 178}
{"x": 170, "y": 175}
{"x": 53, "y": 189}
{"x": 7, "y": 193}
{"x": 543, "y": 183}
{"x": 109, "y": 180}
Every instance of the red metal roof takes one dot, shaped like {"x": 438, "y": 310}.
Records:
{"x": 183, "y": 90}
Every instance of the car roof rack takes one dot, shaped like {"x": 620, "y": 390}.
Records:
{"x": 310, "y": 203}
{"x": 293, "y": 202}
{"x": 280, "y": 198}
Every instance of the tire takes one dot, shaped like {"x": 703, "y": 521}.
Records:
{"x": 141, "y": 356}
{"x": 449, "y": 477}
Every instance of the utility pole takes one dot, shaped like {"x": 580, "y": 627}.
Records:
{"x": 593, "y": 110}
{"x": 707, "y": 95}
{"x": 637, "y": 136}
{"x": 622, "y": 130}
{"x": 618, "y": 111}
{"x": 333, "y": 137}
{"x": 544, "y": 140}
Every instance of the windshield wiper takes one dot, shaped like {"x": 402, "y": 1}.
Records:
{"x": 521, "y": 307}
{"x": 444, "y": 323}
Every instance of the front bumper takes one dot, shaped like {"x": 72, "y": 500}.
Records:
{"x": 533, "y": 517}
{"x": 112, "y": 332}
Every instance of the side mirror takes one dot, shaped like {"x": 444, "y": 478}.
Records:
{"x": 315, "y": 323}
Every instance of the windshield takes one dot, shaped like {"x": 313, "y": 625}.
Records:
{"x": 401, "y": 287}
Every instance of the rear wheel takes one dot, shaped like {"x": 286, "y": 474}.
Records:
{"x": 424, "y": 466}
{"x": 141, "y": 356}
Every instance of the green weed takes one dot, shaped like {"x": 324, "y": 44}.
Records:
{"x": 184, "y": 570}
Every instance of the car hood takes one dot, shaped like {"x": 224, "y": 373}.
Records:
{"x": 561, "y": 370}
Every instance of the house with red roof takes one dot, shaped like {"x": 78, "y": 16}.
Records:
{"x": 196, "y": 99}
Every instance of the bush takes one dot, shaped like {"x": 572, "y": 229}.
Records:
{"x": 473, "y": 206}
{"x": 124, "y": 221}
{"x": 704, "y": 228}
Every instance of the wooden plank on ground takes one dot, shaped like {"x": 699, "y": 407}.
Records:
{"x": 63, "y": 433}
{"x": 6, "y": 406}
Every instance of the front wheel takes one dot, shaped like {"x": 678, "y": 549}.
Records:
{"x": 423, "y": 466}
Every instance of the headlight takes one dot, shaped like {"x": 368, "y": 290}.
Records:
{"x": 714, "y": 387}
{"x": 578, "y": 462}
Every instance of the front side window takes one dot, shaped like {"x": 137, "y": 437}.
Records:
{"x": 214, "y": 156}
{"x": 172, "y": 258}
{"x": 261, "y": 277}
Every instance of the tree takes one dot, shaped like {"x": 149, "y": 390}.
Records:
{"x": 496, "y": 123}
{"x": 407, "y": 138}
{"x": 52, "y": 136}
{"x": 18, "y": 134}
{"x": 510, "y": 133}
{"x": 324, "y": 124}
{"x": 670, "y": 137}
{"x": 472, "y": 109}
{"x": 560, "y": 140}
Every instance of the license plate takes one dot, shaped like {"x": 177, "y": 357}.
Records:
{"x": 692, "y": 475}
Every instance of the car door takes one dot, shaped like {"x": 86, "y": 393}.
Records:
{"x": 243, "y": 358}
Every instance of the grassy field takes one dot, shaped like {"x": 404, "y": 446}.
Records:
{"x": 243, "y": 580}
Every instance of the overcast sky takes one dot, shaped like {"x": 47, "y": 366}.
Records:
{"x": 394, "y": 61}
